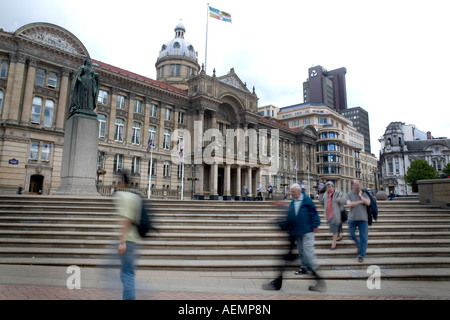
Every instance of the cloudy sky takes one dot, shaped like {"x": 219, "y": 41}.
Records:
{"x": 396, "y": 53}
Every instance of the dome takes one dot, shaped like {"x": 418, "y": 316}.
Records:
{"x": 178, "y": 46}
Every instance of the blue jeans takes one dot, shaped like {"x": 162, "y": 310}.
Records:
{"x": 305, "y": 246}
{"x": 363, "y": 227}
{"x": 127, "y": 270}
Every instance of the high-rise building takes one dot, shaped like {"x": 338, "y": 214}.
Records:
{"x": 360, "y": 119}
{"x": 327, "y": 87}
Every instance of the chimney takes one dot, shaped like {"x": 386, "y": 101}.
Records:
{"x": 429, "y": 137}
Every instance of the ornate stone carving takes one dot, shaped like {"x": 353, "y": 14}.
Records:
{"x": 232, "y": 81}
{"x": 52, "y": 40}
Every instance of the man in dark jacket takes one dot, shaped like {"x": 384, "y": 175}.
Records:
{"x": 301, "y": 223}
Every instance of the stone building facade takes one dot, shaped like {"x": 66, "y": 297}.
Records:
{"x": 183, "y": 107}
{"x": 400, "y": 145}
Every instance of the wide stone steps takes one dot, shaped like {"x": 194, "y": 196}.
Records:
{"x": 216, "y": 235}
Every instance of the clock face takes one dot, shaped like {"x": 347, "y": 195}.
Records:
{"x": 313, "y": 73}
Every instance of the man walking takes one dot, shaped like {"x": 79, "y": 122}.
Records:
{"x": 358, "y": 218}
{"x": 302, "y": 222}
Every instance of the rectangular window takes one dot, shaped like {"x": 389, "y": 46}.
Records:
{"x": 152, "y": 134}
{"x": 120, "y": 102}
{"x": 36, "y": 110}
{"x": 136, "y": 165}
{"x": 52, "y": 80}
{"x": 137, "y": 106}
{"x": 34, "y": 151}
{"x": 153, "y": 164}
{"x": 101, "y": 125}
{"x": 4, "y": 69}
{"x": 166, "y": 141}
{"x": 153, "y": 111}
{"x": 45, "y": 152}
{"x": 166, "y": 169}
{"x": 102, "y": 97}
{"x": 136, "y": 137}
{"x": 118, "y": 163}
{"x": 118, "y": 132}
{"x": 167, "y": 114}
{"x": 180, "y": 171}
{"x": 181, "y": 116}
{"x": 48, "y": 113}
{"x": 40, "y": 77}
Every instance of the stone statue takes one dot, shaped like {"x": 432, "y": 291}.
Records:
{"x": 84, "y": 89}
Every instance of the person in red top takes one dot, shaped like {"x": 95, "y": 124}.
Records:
{"x": 333, "y": 200}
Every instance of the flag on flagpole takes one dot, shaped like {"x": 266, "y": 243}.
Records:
{"x": 181, "y": 151}
{"x": 220, "y": 15}
{"x": 296, "y": 165}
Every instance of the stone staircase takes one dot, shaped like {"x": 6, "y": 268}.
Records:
{"x": 408, "y": 241}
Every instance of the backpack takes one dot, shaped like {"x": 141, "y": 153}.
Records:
{"x": 372, "y": 210}
{"x": 144, "y": 224}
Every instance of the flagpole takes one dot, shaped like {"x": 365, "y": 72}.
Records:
{"x": 309, "y": 188}
{"x": 182, "y": 177}
{"x": 150, "y": 173}
{"x": 206, "y": 45}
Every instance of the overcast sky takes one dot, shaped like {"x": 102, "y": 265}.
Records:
{"x": 396, "y": 52}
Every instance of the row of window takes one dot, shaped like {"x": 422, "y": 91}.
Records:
{"x": 136, "y": 167}
{"x": 103, "y": 98}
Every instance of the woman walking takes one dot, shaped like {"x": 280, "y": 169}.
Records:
{"x": 333, "y": 201}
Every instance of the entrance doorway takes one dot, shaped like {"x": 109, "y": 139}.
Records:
{"x": 36, "y": 183}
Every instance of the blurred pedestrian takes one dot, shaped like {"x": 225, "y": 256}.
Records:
{"x": 270, "y": 191}
{"x": 357, "y": 218}
{"x": 333, "y": 201}
{"x": 259, "y": 189}
{"x": 302, "y": 222}
{"x": 128, "y": 206}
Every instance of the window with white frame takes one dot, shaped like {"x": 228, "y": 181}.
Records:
{"x": 36, "y": 110}
{"x": 166, "y": 169}
{"x": 121, "y": 102}
{"x": 118, "y": 163}
{"x": 153, "y": 110}
{"x": 45, "y": 152}
{"x": 102, "y": 97}
{"x": 135, "y": 165}
{"x": 101, "y": 125}
{"x": 48, "y": 113}
{"x": 167, "y": 114}
{"x": 137, "y": 106}
{"x": 180, "y": 171}
{"x": 34, "y": 151}
{"x": 152, "y": 134}
{"x": 52, "y": 80}
{"x": 136, "y": 137}
{"x": 40, "y": 151}
{"x": 118, "y": 131}
{"x": 166, "y": 141}
{"x": 181, "y": 117}
{"x": 153, "y": 164}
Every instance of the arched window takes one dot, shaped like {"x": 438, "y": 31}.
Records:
{"x": 176, "y": 49}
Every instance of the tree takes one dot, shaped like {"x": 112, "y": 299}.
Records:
{"x": 446, "y": 169}
{"x": 420, "y": 170}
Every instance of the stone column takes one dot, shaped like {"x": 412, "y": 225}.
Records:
{"x": 29, "y": 88}
{"x": 112, "y": 117}
{"x": 199, "y": 195}
{"x": 249, "y": 181}
{"x": 63, "y": 98}
{"x": 227, "y": 182}
{"x": 238, "y": 184}
{"x": 129, "y": 123}
{"x": 12, "y": 111}
{"x": 213, "y": 182}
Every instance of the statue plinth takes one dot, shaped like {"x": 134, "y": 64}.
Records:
{"x": 79, "y": 162}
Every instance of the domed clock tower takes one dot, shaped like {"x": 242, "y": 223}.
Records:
{"x": 177, "y": 61}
